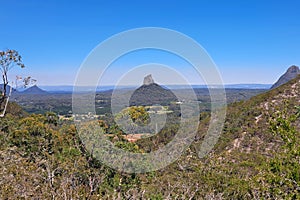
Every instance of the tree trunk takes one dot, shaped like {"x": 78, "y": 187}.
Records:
{"x": 5, "y": 82}
{"x": 6, "y": 103}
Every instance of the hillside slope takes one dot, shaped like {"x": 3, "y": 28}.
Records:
{"x": 248, "y": 122}
{"x": 257, "y": 155}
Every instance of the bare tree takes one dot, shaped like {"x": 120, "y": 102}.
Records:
{"x": 8, "y": 60}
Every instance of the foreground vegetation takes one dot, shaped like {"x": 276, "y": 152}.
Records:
{"x": 256, "y": 157}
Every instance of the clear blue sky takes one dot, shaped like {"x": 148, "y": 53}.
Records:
{"x": 251, "y": 41}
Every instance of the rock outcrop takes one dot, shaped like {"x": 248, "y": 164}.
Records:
{"x": 290, "y": 74}
{"x": 148, "y": 80}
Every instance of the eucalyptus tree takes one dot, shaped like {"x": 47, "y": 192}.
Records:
{"x": 8, "y": 59}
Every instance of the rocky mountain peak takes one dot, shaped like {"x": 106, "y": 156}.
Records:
{"x": 290, "y": 74}
{"x": 148, "y": 80}
{"x": 150, "y": 93}
{"x": 293, "y": 69}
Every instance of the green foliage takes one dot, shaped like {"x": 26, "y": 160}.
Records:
{"x": 51, "y": 118}
{"x": 137, "y": 114}
{"x": 57, "y": 157}
{"x": 283, "y": 177}
{"x": 127, "y": 146}
{"x": 281, "y": 125}
{"x": 297, "y": 111}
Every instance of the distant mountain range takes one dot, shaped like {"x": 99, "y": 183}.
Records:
{"x": 69, "y": 88}
{"x": 290, "y": 74}
{"x": 31, "y": 90}
{"x": 7, "y": 89}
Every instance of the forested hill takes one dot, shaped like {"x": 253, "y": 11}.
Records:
{"x": 150, "y": 95}
{"x": 34, "y": 90}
